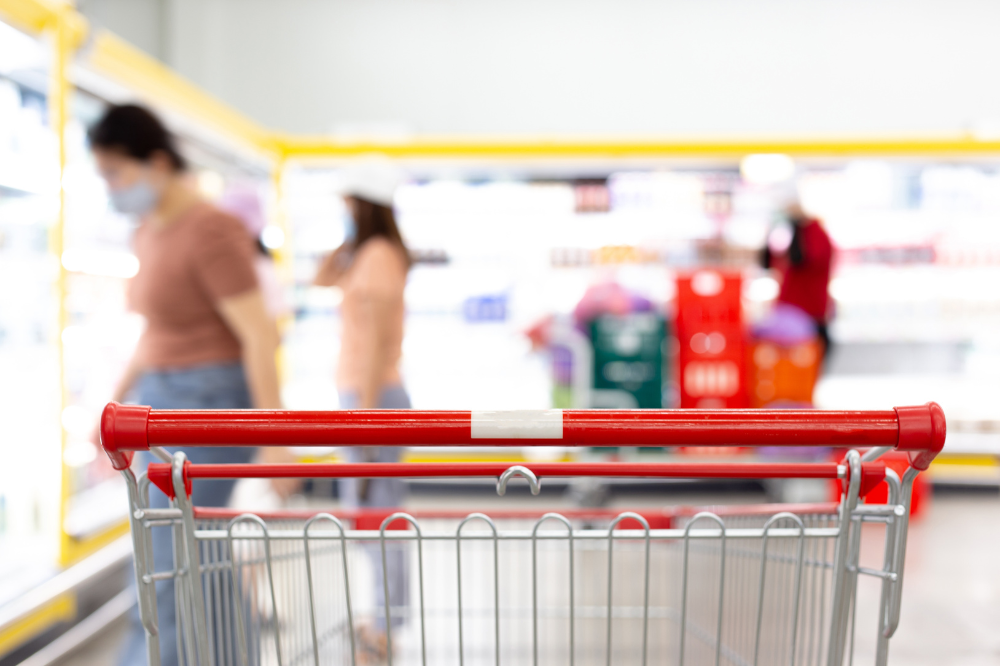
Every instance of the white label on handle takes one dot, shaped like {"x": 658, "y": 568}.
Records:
{"x": 518, "y": 424}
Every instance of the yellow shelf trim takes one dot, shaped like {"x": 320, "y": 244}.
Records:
{"x": 60, "y": 609}
{"x": 73, "y": 550}
{"x": 35, "y": 17}
{"x": 319, "y": 147}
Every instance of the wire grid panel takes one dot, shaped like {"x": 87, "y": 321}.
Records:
{"x": 775, "y": 594}
{"x": 550, "y": 591}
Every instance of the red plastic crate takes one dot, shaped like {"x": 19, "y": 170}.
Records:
{"x": 710, "y": 332}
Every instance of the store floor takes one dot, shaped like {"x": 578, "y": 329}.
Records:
{"x": 951, "y": 603}
{"x": 951, "y": 596}
{"x": 103, "y": 650}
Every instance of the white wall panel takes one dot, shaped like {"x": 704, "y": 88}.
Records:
{"x": 596, "y": 66}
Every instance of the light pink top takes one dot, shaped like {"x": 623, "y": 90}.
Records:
{"x": 373, "y": 301}
{"x": 270, "y": 287}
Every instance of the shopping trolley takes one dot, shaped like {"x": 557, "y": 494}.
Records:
{"x": 736, "y": 585}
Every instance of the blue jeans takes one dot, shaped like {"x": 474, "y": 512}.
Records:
{"x": 202, "y": 387}
{"x": 379, "y": 492}
{"x": 389, "y": 493}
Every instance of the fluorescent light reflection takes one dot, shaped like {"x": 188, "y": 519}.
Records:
{"x": 272, "y": 237}
{"x": 767, "y": 168}
{"x": 102, "y": 263}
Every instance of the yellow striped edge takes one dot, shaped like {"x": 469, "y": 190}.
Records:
{"x": 975, "y": 459}
{"x": 74, "y": 550}
{"x": 60, "y": 609}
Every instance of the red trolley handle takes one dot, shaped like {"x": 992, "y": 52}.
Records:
{"x": 872, "y": 473}
{"x": 920, "y": 431}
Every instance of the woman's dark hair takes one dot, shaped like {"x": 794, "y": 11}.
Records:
{"x": 134, "y": 131}
{"x": 372, "y": 219}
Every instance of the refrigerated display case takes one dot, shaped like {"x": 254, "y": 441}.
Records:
{"x": 29, "y": 361}
{"x": 65, "y": 333}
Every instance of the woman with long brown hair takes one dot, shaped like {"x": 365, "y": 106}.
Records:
{"x": 370, "y": 267}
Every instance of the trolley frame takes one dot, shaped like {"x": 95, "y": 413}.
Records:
{"x": 919, "y": 431}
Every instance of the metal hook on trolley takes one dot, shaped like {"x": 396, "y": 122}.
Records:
{"x": 524, "y": 473}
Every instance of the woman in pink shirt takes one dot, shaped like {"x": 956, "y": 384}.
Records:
{"x": 370, "y": 267}
{"x": 208, "y": 343}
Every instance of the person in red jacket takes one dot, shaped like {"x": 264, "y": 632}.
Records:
{"x": 805, "y": 270}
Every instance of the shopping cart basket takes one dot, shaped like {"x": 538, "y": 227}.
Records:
{"x": 738, "y": 585}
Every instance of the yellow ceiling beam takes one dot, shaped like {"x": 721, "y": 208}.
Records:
{"x": 36, "y": 16}
{"x": 635, "y": 148}
{"x": 32, "y": 16}
{"x": 162, "y": 87}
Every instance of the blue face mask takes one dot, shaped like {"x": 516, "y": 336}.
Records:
{"x": 350, "y": 228}
{"x": 137, "y": 199}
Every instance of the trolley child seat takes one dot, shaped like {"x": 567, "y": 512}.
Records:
{"x": 772, "y": 584}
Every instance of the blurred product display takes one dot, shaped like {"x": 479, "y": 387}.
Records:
{"x": 628, "y": 358}
{"x": 785, "y": 357}
{"x": 783, "y": 375}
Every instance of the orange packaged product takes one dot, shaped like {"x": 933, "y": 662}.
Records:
{"x": 783, "y": 374}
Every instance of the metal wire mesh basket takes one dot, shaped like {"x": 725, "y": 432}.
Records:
{"x": 770, "y": 584}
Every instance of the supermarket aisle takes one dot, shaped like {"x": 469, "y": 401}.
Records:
{"x": 951, "y": 606}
